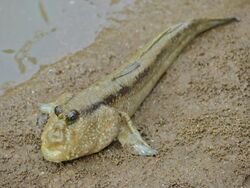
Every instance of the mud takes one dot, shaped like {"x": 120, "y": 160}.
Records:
{"x": 197, "y": 117}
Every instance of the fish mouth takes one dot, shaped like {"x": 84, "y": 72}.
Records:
{"x": 54, "y": 155}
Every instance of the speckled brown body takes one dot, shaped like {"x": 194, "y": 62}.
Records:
{"x": 105, "y": 107}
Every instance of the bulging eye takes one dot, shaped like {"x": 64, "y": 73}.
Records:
{"x": 72, "y": 116}
{"x": 58, "y": 110}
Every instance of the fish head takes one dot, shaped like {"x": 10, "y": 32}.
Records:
{"x": 61, "y": 136}
{"x": 69, "y": 135}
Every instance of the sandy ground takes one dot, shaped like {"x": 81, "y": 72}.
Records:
{"x": 197, "y": 117}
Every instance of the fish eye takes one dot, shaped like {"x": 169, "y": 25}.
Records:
{"x": 72, "y": 116}
{"x": 58, "y": 110}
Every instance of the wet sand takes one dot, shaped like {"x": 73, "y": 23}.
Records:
{"x": 197, "y": 117}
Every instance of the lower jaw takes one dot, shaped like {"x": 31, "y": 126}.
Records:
{"x": 53, "y": 155}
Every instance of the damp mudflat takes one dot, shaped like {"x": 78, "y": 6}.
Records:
{"x": 39, "y": 32}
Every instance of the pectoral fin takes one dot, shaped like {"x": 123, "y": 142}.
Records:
{"x": 131, "y": 139}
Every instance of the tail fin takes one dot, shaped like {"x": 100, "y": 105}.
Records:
{"x": 206, "y": 24}
{"x": 222, "y": 21}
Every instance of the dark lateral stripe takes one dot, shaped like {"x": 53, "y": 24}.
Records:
{"x": 106, "y": 101}
{"x": 113, "y": 97}
{"x": 142, "y": 75}
{"x": 91, "y": 108}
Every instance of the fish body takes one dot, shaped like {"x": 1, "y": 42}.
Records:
{"x": 87, "y": 122}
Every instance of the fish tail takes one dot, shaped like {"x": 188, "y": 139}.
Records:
{"x": 207, "y": 24}
{"x": 222, "y": 21}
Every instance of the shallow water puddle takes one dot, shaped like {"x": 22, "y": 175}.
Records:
{"x": 36, "y": 32}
